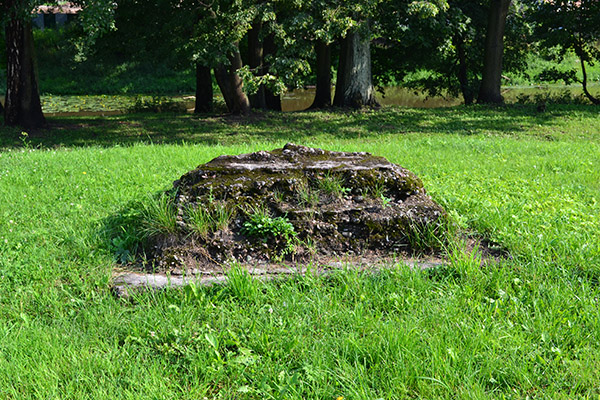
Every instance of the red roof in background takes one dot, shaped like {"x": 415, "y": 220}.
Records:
{"x": 65, "y": 8}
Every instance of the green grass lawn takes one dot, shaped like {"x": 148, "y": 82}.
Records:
{"x": 526, "y": 327}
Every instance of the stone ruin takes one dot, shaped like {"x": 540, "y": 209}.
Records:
{"x": 295, "y": 205}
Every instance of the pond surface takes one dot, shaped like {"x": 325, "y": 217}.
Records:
{"x": 397, "y": 96}
{"x": 394, "y": 96}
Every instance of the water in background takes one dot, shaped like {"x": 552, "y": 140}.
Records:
{"x": 397, "y": 96}
{"x": 302, "y": 99}
{"x": 299, "y": 100}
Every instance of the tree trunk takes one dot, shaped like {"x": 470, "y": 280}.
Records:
{"x": 355, "y": 85}
{"x": 462, "y": 75}
{"x": 489, "y": 91}
{"x": 273, "y": 100}
{"x": 323, "y": 90}
{"x": 204, "y": 89}
{"x": 340, "y": 84}
{"x": 23, "y": 106}
{"x": 587, "y": 93}
{"x": 255, "y": 62}
{"x": 231, "y": 85}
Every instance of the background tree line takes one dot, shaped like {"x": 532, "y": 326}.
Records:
{"x": 255, "y": 50}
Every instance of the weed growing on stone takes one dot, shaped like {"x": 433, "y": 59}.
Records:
{"x": 203, "y": 219}
{"x": 333, "y": 186}
{"x": 199, "y": 220}
{"x": 378, "y": 190}
{"x": 385, "y": 201}
{"x": 278, "y": 196}
{"x": 222, "y": 215}
{"x": 264, "y": 227}
{"x": 158, "y": 216}
{"x": 307, "y": 196}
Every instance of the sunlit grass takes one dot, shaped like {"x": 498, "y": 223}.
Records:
{"x": 527, "y": 326}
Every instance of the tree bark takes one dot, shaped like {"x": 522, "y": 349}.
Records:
{"x": 231, "y": 85}
{"x": 323, "y": 89}
{"x": 255, "y": 62}
{"x": 489, "y": 91}
{"x": 204, "y": 89}
{"x": 587, "y": 93}
{"x": 273, "y": 100}
{"x": 462, "y": 75}
{"x": 354, "y": 87}
{"x": 340, "y": 84}
{"x": 23, "y": 106}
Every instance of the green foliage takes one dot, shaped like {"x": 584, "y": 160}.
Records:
{"x": 156, "y": 104}
{"x": 385, "y": 201}
{"x": 567, "y": 26}
{"x": 547, "y": 97}
{"x": 264, "y": 227}
{"x": 439, "y": 41}
{"x": 553, "y": 74}
{"x": 241, "y": 286}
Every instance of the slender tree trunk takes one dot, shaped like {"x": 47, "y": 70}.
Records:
{"x": 231, "y": 85}
{"x": 204, "y": 89}
{"x": 323, "y": 89}
{"x": 272, "y": 100}
{"x": 587, "y": 93}
{"x": 1, "y": 109}
{"x": 23, "y": 106}
{"x": 255, "y": 62}
{"x": 356, "y": 86}
{"x": 462, "y": 75}
{"x": 489, "y": 91}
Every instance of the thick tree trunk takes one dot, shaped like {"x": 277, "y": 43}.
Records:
{"x": 355, "y": 85}
{"x": 204, "y": 89}
{"x": 255, "y": 62}
{"x": 489, "y": 91}
{"x": 462, "y": 75}
{"x": 323, "y": 89}
{"x": 231, "y": 85}
{"x": 273, "y": 100}
{"x": 23, "y": 106}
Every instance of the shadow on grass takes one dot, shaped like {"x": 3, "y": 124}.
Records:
{"x": 294, "y": 126}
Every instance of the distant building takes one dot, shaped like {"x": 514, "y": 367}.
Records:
{"x": 53, "y": 16}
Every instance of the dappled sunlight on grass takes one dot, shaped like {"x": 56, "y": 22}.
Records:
{"x": 513, "y": 121}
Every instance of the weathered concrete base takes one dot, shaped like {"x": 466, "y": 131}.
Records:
{"x": 124, "y": 282}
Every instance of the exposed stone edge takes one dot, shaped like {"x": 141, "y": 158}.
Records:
{"x": 126, "y": 282}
